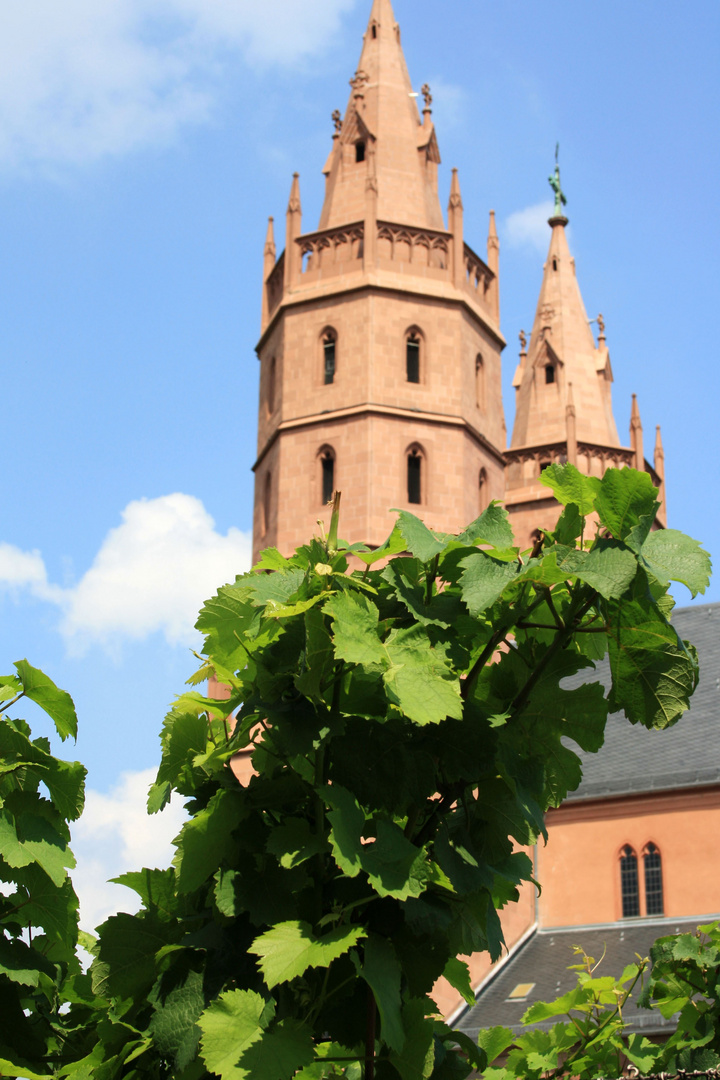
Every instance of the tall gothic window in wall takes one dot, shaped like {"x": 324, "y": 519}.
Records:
{"x": 549, "y": 373}
{"x": 327, "y": 466}
{"x": 412, "y": 357}
{"x": 271, "y": 383}
{"x": 479, "y": 382}
{"x": 329, "y": 356}
{"x": 629, "y": 890}
{"x": 267, "y": 498}
{"x": 414, "y": 476}
{"x": 652, "y": 863}
{"x": 482, "y": 491}
{"x": 359, "y": 151}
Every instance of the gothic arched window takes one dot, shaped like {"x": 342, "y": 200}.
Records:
{"x": 549, "y": 373}
{"x": 359, "y": 151}
{"x": 629, "y": 890}
{"x": 327, "y": 474}
{"x": 480, "y": 381}
{"x": 413, "y": 344}
{"x": 266, "y": 504}
{"x": 482, "y": 491}
{"x": 414, "y": 475}
{"x": 329, "y": 350}
{"x": 271, "y": 385}
{"x": 652, "y": 864}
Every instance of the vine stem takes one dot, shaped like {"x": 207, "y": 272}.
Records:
{"x": 370, "y": 1036}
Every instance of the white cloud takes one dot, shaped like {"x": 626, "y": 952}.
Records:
{"x": 529, "y": 227}
{"x": 84, "y": 79}
{"x": 114, "y": 835}
{"x": 151, "y": 574}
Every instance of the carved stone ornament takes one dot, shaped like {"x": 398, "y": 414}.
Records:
{"x": 337, "y": 121}
{"x": 547, "y": 313}
{"x": 359, "y": 81}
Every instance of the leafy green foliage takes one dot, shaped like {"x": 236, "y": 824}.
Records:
{"x": 407, "y": 728}
{"x": 584, "y": 1032}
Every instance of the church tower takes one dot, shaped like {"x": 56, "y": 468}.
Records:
{"x": 563, "y": 397}
{"x": 380, "y": 347}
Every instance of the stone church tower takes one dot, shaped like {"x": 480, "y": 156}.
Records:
{"x": 380, "y": 350}
{"x": 380, "y": 347}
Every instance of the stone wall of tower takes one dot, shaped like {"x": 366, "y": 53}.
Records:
{"x": 371, "y": 416}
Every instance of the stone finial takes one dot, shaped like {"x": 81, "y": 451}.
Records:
{"x": 601, "y": 329}
{"x": 294, "y": 200}
{"x": 427, "y": 96}
{"x": 523, "y": 343}
{"x": 636, "y": 435}
{"x": 456, "y": 202}
{"x": 270, "y": 238}
{"x": 337, "y": 121}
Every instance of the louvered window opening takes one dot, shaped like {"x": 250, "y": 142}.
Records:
{"x": 653, "y": 881}
{"x": 329, "y": 349}
{"x": 412, "y": 360}
{"x": 328, "y": 478}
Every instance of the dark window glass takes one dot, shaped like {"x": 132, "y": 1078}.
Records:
{"x": 329, "y": 350}
{"x": 359, "y": 151}
{"x": 545, "y": 465}
{"x": 653, "y": 880}
{"x": 554, "y": 264}
{"x": 328, "y": 477}
{"x": 412, "y": 359}
{"x": 271, "y": 387}
{"x": 629, "y": 883}
{"x": 549, "y": 374}
{"x": 414, "y": 477}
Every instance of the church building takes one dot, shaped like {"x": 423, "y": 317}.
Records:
{"x": 380, "y": 376}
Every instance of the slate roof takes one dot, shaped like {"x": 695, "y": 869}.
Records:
{"x": 544, "y": 958}
{"x": 635, "y": 760}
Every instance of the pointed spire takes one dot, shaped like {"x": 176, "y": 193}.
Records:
{"x": 293, "y": 229}
{"x": 636, "y": 436}
{"x": 456, "y": 227}
{"x": 562, "y": 350}
{"x": 383, "y": 110}
{"x": 493, "y": 261}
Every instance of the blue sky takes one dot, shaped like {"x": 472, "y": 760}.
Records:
{"x": 142, "y": 148}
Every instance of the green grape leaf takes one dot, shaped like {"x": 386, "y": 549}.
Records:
{"x": 419, "y": 680}
{"x": 229, "y": 1026}
{"x": 22, "y": 964}
{"x": 419, "y": 540}
{"x": 382, "y": 972}
{"x": 125, "y": 964}
{"x": 653, "y": 673}
{"x": 356, "y": 629}
{"x": 56, "y": 703}
{"x": 156, "y": 889}
{"x": 347, "y": 820}
{"x": 624, "y": 499}
{"x": 415, "y": 1061}
{"x": 206, "y": 840}
{"x": 609, "y": 567}
{"x": 294, "y": 842}
{"x": 394, "y": 545}
{"x": 484, "y": 580}
{"x": 495, "y": 1040}
{"x": 457, "y": 974}
{"x": 492, "y": 527}
{"x": 290, "y": 948}
{"x": 173, "y": 1025}
{"x": 393, "y": 864}
{"x": 568, "y": 485}
{"x": 279, "y": 1053}
{"x": 52, "y": 908}
{"x": 671, "y": 556}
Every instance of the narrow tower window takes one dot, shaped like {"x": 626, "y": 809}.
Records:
{"x": 482, "y": 491}
{"x": 412, "y": 358}
{"x": 329, "y": 356}
{"x": 555, "y": 264}
{"x": 267, "y": 497}
{"x": 359, "y": 151}
{"x": 271, "y": 387}
{"x": 327, "y": 462}
{"x": 629, "y": 883}
{"x": 414, "y": 476}
{"x": 549, "y": 373}
{"x": 479, "y": 382}
{"x": 653, "y": 880}
{"x": 374, "y": 30}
